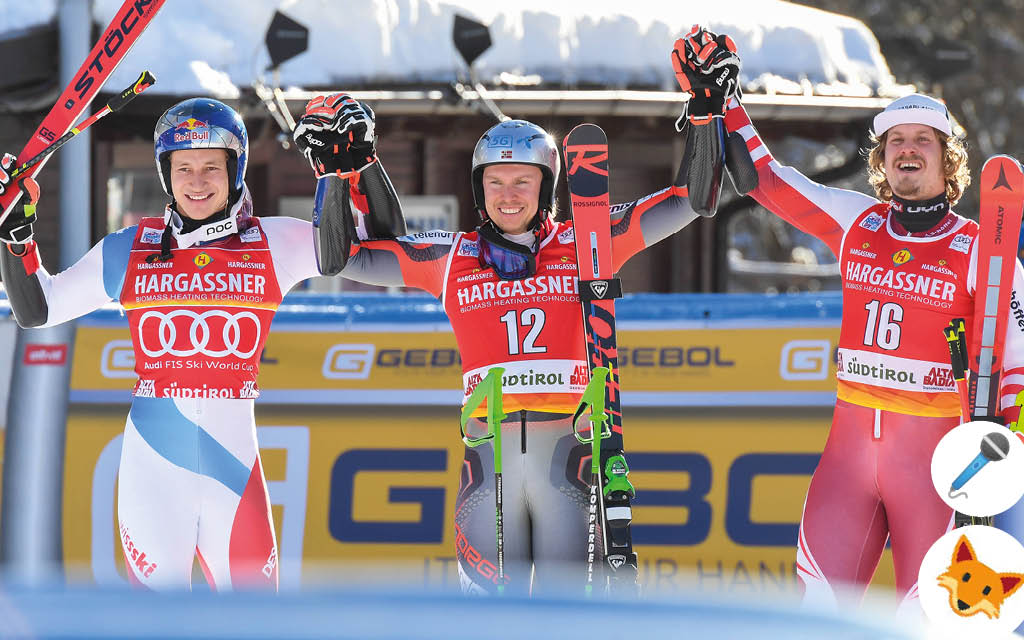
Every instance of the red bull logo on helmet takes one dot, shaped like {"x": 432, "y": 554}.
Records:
{"x": 191, "y": 129}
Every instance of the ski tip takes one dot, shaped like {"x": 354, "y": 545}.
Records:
{"x": 1002, "y": 159}
{"x": 1002, "y": 173}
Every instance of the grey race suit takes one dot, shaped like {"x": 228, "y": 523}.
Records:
{"x": 544, "y": 489}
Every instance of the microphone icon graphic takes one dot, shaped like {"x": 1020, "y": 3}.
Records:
{"x": 994, "y": 447}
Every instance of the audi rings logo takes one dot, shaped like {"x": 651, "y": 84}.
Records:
{"x": 236, "y": 333}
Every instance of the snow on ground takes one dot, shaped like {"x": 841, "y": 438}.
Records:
{"x": 216, "y": 45}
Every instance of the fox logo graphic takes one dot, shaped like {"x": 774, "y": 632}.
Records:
{"x": 973, "y": 586}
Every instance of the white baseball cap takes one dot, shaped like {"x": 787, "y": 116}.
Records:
{"x": 914, "y": 109}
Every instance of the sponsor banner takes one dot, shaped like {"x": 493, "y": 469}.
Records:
{"x": 719, "y": 494}
{"x": 429, "y": 237}
{"x": 55, "y": 354}
{"x": 535, "y": 376}
{"x": 324, "y": 363}
{"x": 891, "y": 372}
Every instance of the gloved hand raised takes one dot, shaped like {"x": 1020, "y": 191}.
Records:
{"x": 708, "y": 68}
{"x": 17, "y": 226}
{"x": 336, "y": 134}
{"x": 6, "y": 167}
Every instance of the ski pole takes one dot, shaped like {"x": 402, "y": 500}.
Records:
{"x": 144, "y": 82}
{"x": 1018, "y": 426}
{"x": 593, "y": 399}
{"x": 956, "y": 339}
{"x": 489, "y": 389}
{"x": 957, "y": 342}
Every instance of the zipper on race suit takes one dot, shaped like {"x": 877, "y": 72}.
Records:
{"x": 522, "y": 421}
{"x": 877, "y": 433}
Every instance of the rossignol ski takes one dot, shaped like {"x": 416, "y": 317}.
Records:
{"x": 127, "y": 25}
{"x": 586, "y": 161}
{"x": 1002, "y": 201}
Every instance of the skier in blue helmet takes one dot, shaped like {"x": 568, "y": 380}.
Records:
{"x": 199, "y": 286}
{"x": 217, "y": 209}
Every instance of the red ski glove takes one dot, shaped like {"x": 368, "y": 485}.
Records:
{"x": 708, "y": 68}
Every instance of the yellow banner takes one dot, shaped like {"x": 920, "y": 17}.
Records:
{"x": 338, "y": 366}
{"x": 719, "y": 493}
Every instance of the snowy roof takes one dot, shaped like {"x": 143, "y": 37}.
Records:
{"x": 786, "y": 48}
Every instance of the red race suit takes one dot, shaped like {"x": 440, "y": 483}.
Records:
{"x": 896, "y": 394}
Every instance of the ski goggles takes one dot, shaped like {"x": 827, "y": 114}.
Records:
{"x": 510, "y": 260}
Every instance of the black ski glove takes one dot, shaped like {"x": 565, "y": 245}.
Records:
{"x": 708, "y": 68}
{"x": 336, "y": 134}
{"x": 17, "y": 226}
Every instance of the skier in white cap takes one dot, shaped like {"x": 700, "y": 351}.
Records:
{"x": 908, "y": 266}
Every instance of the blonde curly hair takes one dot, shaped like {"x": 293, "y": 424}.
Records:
{"x": 954, "y": 165}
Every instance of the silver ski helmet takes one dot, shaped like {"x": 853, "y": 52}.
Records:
{"x": 202, "y": 123}
{"x": 516, "y": 142}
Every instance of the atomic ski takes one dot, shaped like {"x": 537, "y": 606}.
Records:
{"x": 130, "y": 21}
{"x": 1002, "y": 201}
{"x": 586, "y": 161}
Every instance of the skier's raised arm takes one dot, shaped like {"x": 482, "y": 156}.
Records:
{"x": 641, "y": 223}
{"x": 37, "y": 298}
{"x": 824, "y": 212}
{"x": 337, "y": 136}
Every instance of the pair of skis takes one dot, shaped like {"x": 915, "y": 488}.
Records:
{"x": 57, "y": 127}
{"x": 979, "y": 367}
{"x": 586, "y": 162}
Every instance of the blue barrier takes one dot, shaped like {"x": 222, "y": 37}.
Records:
{"x": 413, "y": 308}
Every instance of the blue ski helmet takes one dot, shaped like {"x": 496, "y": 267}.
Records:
{"x": 202, "y": 123}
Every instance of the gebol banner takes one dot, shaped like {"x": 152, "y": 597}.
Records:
{"x": 719, "y": 493}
